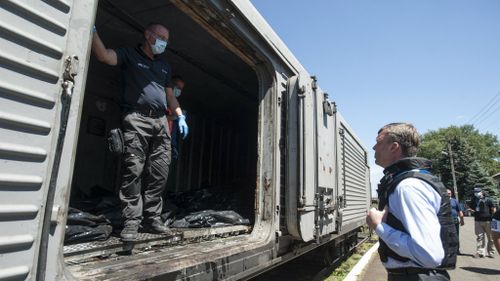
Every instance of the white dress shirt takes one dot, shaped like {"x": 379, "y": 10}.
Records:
{"x": 416, "y": 204}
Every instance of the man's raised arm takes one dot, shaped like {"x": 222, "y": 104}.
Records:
{"x": 107, "y": 56}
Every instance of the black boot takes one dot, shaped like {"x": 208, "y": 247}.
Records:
{"x": 129, "y": 232}
{"x": 156, "y": 226}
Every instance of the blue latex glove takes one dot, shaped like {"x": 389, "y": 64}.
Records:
{"x": 183, "y": 127}
{"x": 94, "y": 30}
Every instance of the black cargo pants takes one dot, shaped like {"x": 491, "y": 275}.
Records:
{"x": 144, "y": 166}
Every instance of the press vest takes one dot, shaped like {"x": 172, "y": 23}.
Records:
{"x": 414, "y": 167}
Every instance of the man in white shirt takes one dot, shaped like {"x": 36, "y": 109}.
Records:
{"x": 414, "y": 244}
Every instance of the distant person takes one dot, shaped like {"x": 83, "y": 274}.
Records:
{"x": 483, "y": 209}
{"x": 495, "y": 230}
{"x": 457, "y": 216}
{"x": 147, "y": 92}
{"x": 173, "y": 123}
{"x": 417, "y": 236}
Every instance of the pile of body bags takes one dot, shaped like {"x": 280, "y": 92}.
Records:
{"x": 96, "y": 219}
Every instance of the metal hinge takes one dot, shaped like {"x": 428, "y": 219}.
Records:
{"x": 327, "y": 106}
{"x": 309, "y": 208}
{"x": 70, "y": 71}
{"x": 70, "y": 68}
{"x": 314, "y": 84}
{"x": 55, "y": 215}
{"x": 302, "y": 90}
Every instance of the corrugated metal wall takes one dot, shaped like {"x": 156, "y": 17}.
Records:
{"x": 219, "y": 153}
{"x": 354, "y": 184}
{"x": 32, "y": 38}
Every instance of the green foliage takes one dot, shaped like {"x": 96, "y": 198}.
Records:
{"x": 479, "y": 177}
{"x": 343, "y": 269}
{"x": 476, "y": 158}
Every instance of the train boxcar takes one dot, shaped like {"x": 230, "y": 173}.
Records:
{"x": 262, "y": 133}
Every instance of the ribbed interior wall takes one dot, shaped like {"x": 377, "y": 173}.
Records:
{"x": 32, "y": 35}
{"x": 354, "y": 180}
{"x": 218, "y": 154}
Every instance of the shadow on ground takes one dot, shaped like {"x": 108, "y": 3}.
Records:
{"x": 487, "y": 271}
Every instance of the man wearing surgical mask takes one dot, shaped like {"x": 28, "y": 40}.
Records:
{"x": 147, "y": 92}
{"x": 178, "y": 83}
{"x": 483, "y": 209}
{"x": 173, "y": 122}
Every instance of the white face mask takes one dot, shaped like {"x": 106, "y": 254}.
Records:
{"x": 159, "y": 46}
{"x": 177, "y": 92}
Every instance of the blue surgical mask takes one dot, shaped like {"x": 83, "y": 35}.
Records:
{"x": 159, "y": 46}
{"x": 177, "y": 92}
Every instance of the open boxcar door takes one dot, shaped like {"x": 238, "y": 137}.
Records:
{"x": 311, "y": 158}
{"x": 43, "y": 47}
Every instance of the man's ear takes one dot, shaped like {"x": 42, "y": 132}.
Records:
{"x": 395, "y": 146}
{"x": 147, "y": 34}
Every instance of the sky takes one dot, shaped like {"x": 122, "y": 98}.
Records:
{"x": 433, "y": 63}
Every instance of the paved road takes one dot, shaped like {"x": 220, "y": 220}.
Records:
{"x": 468, "y": 268}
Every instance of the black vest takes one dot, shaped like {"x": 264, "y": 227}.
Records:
{"x": 414, "y": 167}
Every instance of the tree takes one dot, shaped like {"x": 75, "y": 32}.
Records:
{"x": 479, "y": 178}
{"x": 475, "y": 157}
{"x": 486, "y": 146}
{"x": 462, "y": 154}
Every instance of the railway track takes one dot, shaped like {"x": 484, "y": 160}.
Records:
{"x": 317, "y": 264}
{"x": 327, "y": 271}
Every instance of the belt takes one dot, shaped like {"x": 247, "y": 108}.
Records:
{"x": 413, "y": 270}
{"x": 148, "y": 112}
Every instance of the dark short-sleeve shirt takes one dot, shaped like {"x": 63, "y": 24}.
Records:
{"x": 144, "y": 79}
{"x": 455, "y": 207}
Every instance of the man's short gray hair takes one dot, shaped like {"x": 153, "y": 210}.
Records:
{"x": 405, "y": 134}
